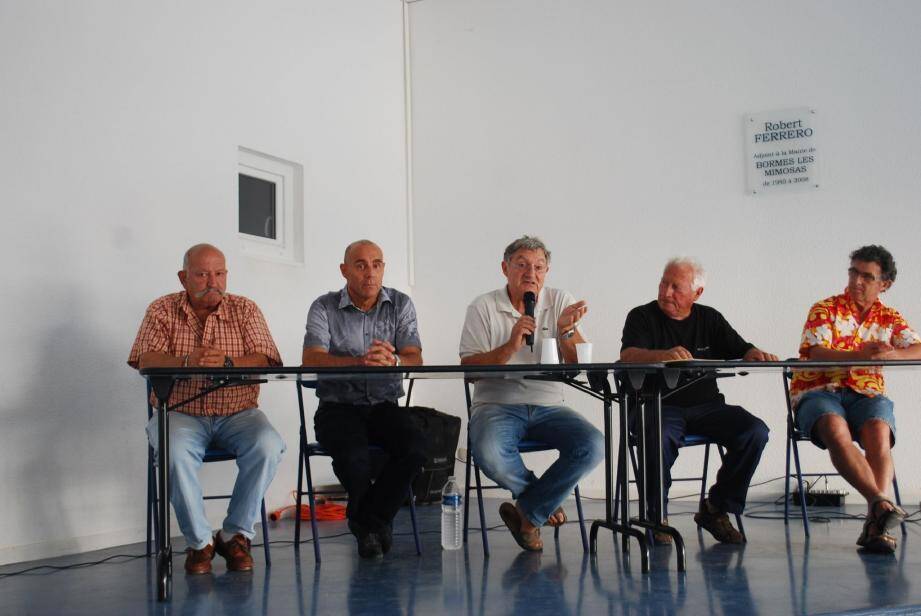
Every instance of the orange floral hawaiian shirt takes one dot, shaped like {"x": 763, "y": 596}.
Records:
{"x": 833, "y": 323}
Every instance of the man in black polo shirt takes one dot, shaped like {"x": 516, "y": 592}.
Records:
{"x": 674, "y": 327}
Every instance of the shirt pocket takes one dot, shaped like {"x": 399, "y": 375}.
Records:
{"x": 229, "y": 339}
{"x": 385, "y": 329}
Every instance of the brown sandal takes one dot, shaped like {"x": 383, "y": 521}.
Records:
{"x": 552, "y": 522}
{"x": 529, "y": 540}
{"x": 872, "y": 539}
{"x": 888, "y": 519}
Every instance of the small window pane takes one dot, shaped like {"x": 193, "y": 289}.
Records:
{"x": 257, "y": 207}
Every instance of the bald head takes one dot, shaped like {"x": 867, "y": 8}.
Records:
{"x": 358, "y": 244}
{"x": 199, "y": 250}
{"x": 204, "y": 277}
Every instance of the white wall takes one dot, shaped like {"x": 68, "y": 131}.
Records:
{"x": 614, "y": 131}
{"x": 120, "y": 123}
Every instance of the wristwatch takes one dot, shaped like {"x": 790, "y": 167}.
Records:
{"x": 228, "y": 363}
{"x": 568, "y": 335}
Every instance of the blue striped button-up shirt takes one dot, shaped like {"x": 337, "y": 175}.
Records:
{"x": 335, "y": 324}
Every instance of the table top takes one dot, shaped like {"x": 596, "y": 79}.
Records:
{"x": 472, "y": 371}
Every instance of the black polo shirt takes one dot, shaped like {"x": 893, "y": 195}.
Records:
{"x": 705, "y": 333}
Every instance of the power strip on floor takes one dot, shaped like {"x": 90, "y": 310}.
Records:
{"x": 820, "y": 498}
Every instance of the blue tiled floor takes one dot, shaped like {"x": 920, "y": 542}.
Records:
{"x": 778, "y": 572}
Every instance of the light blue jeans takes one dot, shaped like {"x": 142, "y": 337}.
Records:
{"x": 495, "y": 431}
{"x": 247, "y": 434}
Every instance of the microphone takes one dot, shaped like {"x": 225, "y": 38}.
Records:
{"x": 529, "y": 301}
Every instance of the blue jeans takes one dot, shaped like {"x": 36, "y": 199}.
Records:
{"x": 248, "y": 435}
{"x": 495, "y": 431}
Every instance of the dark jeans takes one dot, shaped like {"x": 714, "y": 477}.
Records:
{"x": 742, "y": 434}
{"x": 346, "y": 431}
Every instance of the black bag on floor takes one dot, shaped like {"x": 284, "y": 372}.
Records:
{"x": 442, "y": 432}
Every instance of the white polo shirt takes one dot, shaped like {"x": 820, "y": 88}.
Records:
{"x": 488, "y": 325}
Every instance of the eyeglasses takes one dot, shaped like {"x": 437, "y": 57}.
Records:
{"x": 539, "y": 268}
{"x": 853, "y": 272}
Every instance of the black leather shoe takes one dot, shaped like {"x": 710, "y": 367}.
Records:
{"x": 369, "y": 544}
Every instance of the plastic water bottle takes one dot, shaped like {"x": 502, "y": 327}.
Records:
{"x": 451, "y": 505}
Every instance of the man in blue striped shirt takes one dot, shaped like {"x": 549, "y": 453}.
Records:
{"x": 366, "y": 324}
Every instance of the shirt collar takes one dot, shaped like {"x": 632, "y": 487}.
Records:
{"x": 504, "y": 304}
{"x": 876, "y": 306}
{"x": 345, "y": 299}
{"x": 186, "y": 307}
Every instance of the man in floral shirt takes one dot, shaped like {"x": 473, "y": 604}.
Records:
{"x": 839, "y": 406}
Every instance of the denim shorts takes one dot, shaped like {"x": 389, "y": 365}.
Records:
{"x": 853, "y": 407}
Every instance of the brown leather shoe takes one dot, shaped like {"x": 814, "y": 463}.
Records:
{"x": 235, "y": 552}
{"x": 199, "y": 561}
{"x": 662, "y": 538}
{"x": 717, "y": 523}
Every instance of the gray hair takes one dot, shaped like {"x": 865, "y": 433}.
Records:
{"x": 700, "y": 275}
{"x": 187, "y": 257}
{"x": 356, "y": 244}
{"x": 525, "y": 242}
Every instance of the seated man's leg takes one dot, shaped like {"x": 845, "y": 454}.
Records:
{"x": 189, "y": 438}
{"x": 259, "y": 448}
{"x": 495, "y": 431}
{"x": 744, "y": 436}
{"x": 391, "y": 428}
{"x": 342, "y": 430}
{"x": 872, "y": 421}
{"x": 822, "y": 415}
{"x": 581, "y": 448}
{"x": 673, "y": 431}
{"x": 835, "y": 418}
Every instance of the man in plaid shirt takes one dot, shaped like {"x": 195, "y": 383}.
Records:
{"x": 206, "y": 326}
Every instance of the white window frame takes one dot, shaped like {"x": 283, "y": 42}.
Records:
{"x": 288, "y": 245}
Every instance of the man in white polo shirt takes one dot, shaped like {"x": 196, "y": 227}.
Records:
{"x": 508, "y": 411}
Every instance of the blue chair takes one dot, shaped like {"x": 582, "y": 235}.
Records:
{"x": 308, "y": 450}
{"x": 523, "y": 447}
{"x": 795, "y": 436}
{"x": 212, "y": 454}
{"x": 690, "y": 440}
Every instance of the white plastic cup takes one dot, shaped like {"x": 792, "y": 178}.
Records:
{"x": 584, "y": 352}
{"x": 548, "y": 352}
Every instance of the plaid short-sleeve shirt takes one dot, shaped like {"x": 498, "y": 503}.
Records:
{"x": 237, "y": 327}
{"x": 834, "y": 323}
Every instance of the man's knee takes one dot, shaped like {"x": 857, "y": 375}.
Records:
{"x": 875, "y": 436}
{"x": 832, "y": 430}
{"x": 491, "y": 453}
{"x": 758, "y": 434}
{"x": 268, "y": 445}
{"x": 590, "y": 450}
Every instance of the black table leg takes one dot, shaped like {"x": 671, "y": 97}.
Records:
{"x": 162, "y": 387}
{"x": 652, "y": 397}
{"x": 621, "y": 526}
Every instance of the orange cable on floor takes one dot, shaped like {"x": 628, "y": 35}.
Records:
{"x": 325, "y": 511}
